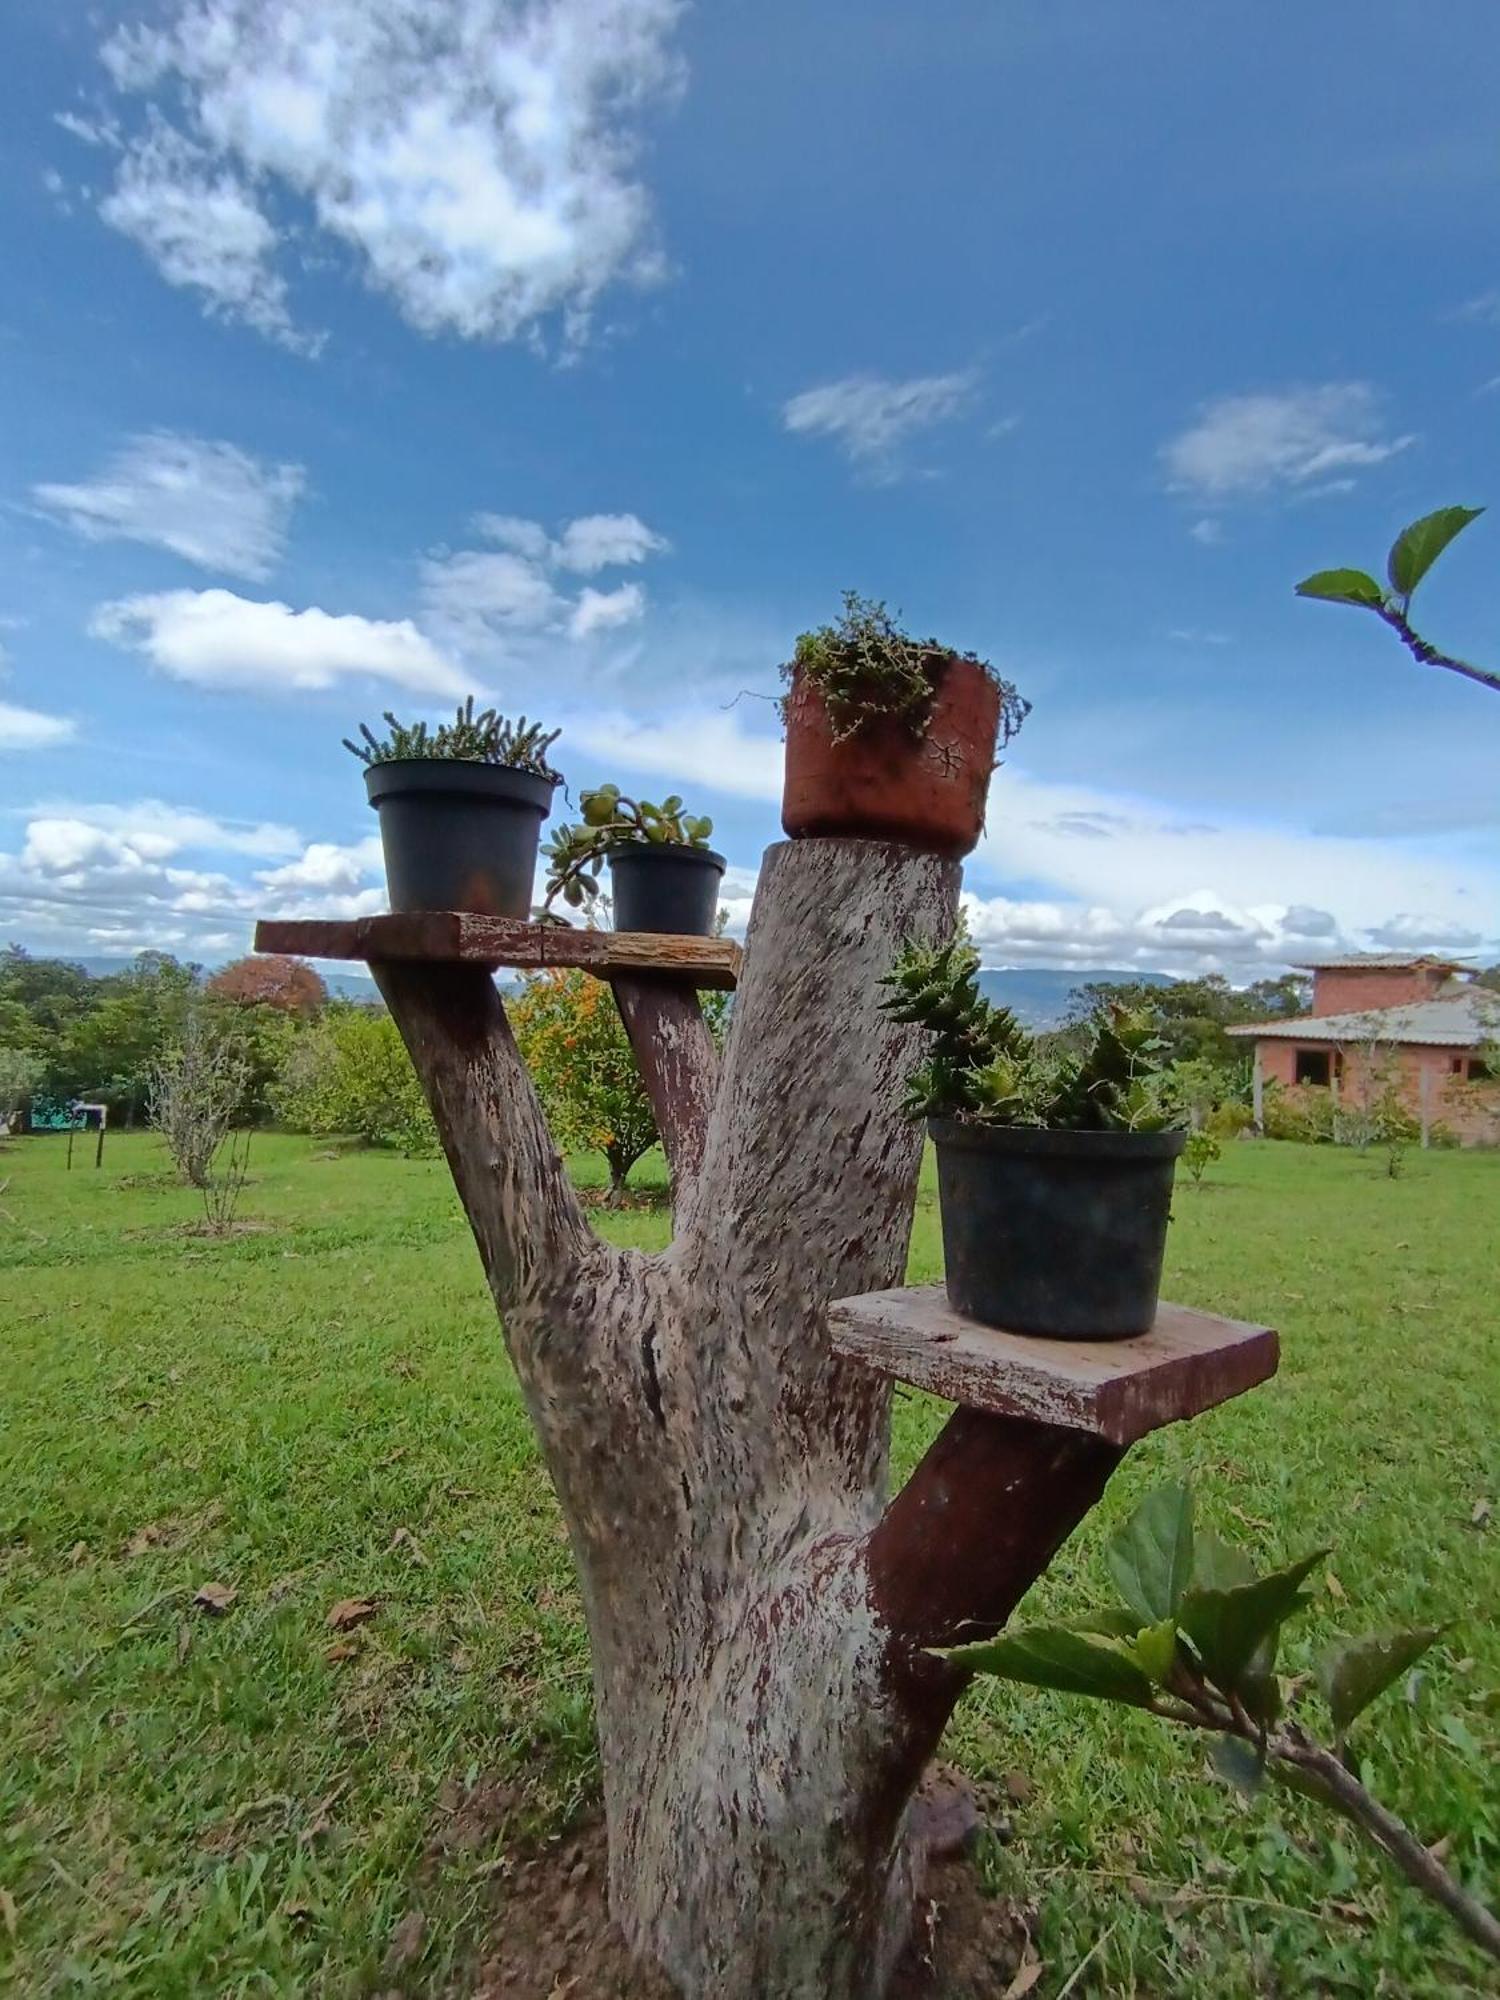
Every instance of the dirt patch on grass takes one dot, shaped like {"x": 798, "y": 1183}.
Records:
{"x": 550, "y": 1931}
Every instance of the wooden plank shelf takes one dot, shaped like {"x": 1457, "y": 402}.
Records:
{"x": 1115, "y": 1389}
{"x": 449, "y": 936}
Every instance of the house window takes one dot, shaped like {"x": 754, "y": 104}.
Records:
{"x": 1313, "y": 1066}
{"x": 1457, "y": 1065}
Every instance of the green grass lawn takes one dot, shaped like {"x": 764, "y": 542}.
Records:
{"x": 321, "y": 1410}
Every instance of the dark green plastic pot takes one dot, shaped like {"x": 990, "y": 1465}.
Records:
{"x": 663, "y": 886}
{"x": 1055, "y": 1233}
{"x": 459, "y": 836}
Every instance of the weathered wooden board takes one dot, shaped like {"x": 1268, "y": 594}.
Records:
{"x": 448, "y": 936}
{"x": 1115, "y": 1389}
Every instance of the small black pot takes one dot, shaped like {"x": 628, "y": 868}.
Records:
{"x": 459, "y": 836}
{"x": 1055, "y": 1233}
{"x": 663, "y": 886}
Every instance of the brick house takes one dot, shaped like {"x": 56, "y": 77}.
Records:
{"x": 1383, "y": 1020}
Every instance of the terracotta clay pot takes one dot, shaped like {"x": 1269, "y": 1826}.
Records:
{"x": 884, "y": 782}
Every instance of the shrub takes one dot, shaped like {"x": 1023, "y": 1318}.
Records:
{"x": 1303, "y": 1112}
{"x": 195, "y": 1087}
{"x": 350, "y": 1074}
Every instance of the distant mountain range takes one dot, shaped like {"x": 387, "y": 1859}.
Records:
{"x": 1038, "y": 995}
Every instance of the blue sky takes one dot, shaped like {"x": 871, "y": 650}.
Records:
{"x": 581, "y": 353}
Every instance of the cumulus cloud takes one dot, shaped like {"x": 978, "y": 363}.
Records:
{"x": 483, "y": 599}
{"x": 603, "y": 610}
{"x": 30, "y": 729}
{"x": 215, "y": 638}
{"x": 202, "y": 499}
{"x": 477, "y": 159}
{"x": 201, "y": 225}
{"x": 870, "y": 416}
{"x": 115, "y": 878}
{"x": 1295, "y": 440}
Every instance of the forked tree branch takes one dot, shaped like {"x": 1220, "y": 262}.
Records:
{"x": 533, "y": 1237}
{"x": 1425, "y": 653}
{"x": 678, "y": 1062}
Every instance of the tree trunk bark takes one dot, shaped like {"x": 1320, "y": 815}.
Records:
{"x": 765, "y": 1706}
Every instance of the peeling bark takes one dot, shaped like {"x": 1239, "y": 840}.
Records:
{"x": 764, "y": 1705}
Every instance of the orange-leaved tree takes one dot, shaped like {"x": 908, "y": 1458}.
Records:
{"x": 270, "y": 980}
{"x": 572, "y": 1040}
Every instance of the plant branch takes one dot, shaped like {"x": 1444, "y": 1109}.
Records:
{"x": 1290, "y": 1745}
{"x": 1426, "y": 654}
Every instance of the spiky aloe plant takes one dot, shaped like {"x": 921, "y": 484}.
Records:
{"x": 485, "y": 738}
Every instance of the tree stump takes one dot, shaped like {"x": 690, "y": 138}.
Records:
{"x": 760, "y": 1615}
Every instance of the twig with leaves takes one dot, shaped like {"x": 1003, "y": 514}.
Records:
{"x": 1413, "y": 553}
{"x": 1194, "y": 1641}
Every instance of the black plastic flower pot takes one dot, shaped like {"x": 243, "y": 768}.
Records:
{"x": 663, "y": 886}
{"x": 459, "y": 836}
{"x": 1055, "y": 1233}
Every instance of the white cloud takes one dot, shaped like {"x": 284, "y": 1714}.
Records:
{"x": 1485, "y": 307}
{"x": 1207, "y": 531}
{"x": 1196, "y": 635}
{"x": 481, "y": 599}
{"x": 870, "y": 416}
{"x": 325, "y": 868}
{"x": 200, "y": 224}
{"x": 205, "y": 500}
{"x": 1294, "y": 440}
{"x": 214, "y": 638}
{"x": 30, "y": 729}
{"x": 603, "y": 610}
{"x": 158, "y": 831}
{"x": 606, "y": 541}
{"x": 697, "y": 750}
{"x": 477, "y": 157}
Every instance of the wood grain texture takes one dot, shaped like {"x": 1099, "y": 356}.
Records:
{"x": 456, "y": 936}
{"x": 679, "y": 1064}
{"x": 1114, "y": 1389}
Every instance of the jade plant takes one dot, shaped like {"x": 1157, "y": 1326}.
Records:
{"x": 485, "y": 738}
{"x": 984, "y": 1067}
{"x": 1413, "y": 553}
{"x": 1194, "y": 1640}
{"x": 575, "y": 854}
{"x": 866, "y": 668}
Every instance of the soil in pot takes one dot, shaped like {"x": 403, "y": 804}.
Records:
{"x": 459, "y": 836}
{"x": 1055, "y": 1233}
{"x": 664, "y": 886}
{"x": 885, "y": 782}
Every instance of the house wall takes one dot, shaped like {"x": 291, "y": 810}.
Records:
{"x": 1470, "y": 1110}
{"x": 1355, "y": 990}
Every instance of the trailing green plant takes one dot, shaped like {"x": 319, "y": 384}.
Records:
{"x": 1194, "y": 1640}
{"x": 866, "y": 668}
{"x": 485, "y": 738}
{"x": 1413, "y": 553}
{"x": 575, "y": 854}
{"x": 983, "y": 1066}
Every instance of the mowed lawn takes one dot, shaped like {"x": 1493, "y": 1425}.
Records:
{"x": 321, "y": 1411}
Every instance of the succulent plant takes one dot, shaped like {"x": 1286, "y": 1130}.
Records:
{"x": 576, "y": 853}
{"x": 486, "y": 738}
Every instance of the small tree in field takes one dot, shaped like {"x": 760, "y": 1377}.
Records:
{"x": 349, "y": 1074}
{"x": 195, "y": 1087}
{"x": 572, "y": 1040}
{"x": 20, "y": 1078}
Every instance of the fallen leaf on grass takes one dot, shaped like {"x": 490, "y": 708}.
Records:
{"x": 153, "y": 1536}
{"x": 1018, "y": 1787}
{"x": 184, "y": 1641}
{"x": 77, "y": 1553}
{"x": 1481, "y": 1514}
{"x": 215, "y": 1597}
{"x": 297, "y": 1913}
{"x": 349, "y": 1612}
{"x": 1251, "y": 1520}
{"x": 1028, "y": 1972}
{"x": 405, "y": 1539}
{"x": 1441, "y": 1849}
{"x": 346, "y": 1649}
{"x": 8, "y": 1912}
{"x": 1335, "y": 1589}
{"x": 405, "y": 1947}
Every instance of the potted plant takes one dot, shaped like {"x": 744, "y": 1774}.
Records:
{"x": 889, "y": 737}
{"x": 461, "y": 809}
{"x": 664, "y": 876}
{"x": 1054, "y": 1164}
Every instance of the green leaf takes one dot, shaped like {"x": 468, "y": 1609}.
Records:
{"x": 1113, "y": 1619}
{"x": 1343, "y": 586}
{"x": 1050, "y": 1656}
{"x": 1154, "y": 1650}
{"x": 1354, "y": 1671}
{"x": 1219, "y": 1565}
{"x": 1418, "y": 547}
{"x": 1229, "y": 1627}
{"x": 1151, "y": 1558}
{"x": 1236, "y": 1760}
